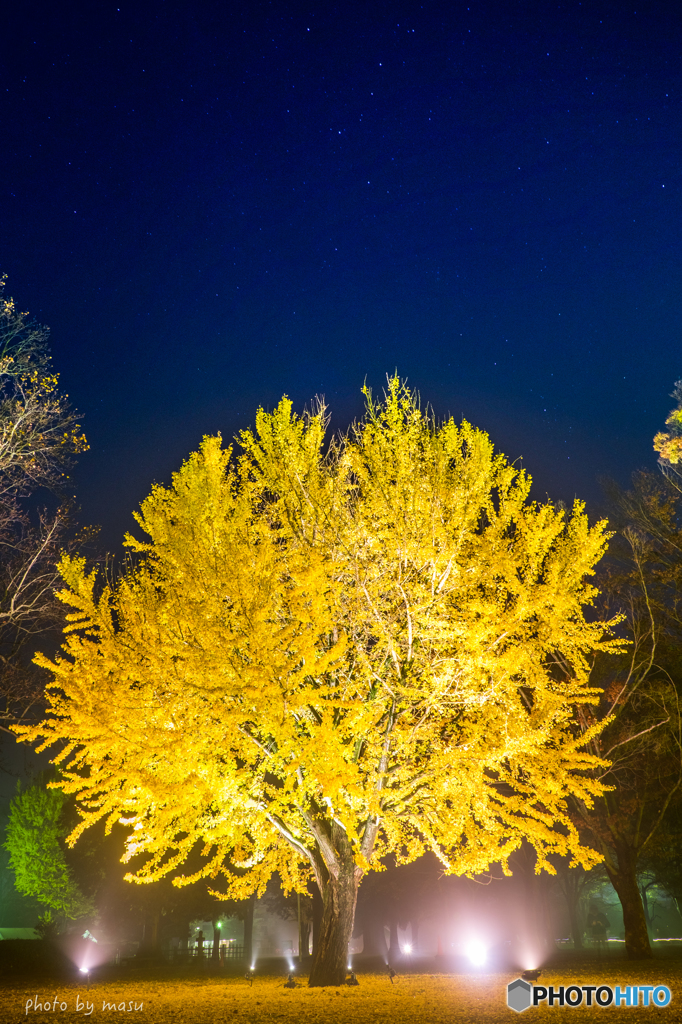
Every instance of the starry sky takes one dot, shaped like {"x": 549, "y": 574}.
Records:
{"x": 212, "y": 204}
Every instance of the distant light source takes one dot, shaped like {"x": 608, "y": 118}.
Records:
{"x": 84, "y": 970}
{"x": 407, "y": 947}
{"x": 476, "y": 953}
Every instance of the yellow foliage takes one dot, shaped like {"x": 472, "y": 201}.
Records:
{"x": 385, "y": 637}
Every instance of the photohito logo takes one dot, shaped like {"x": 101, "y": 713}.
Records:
{"x": 521, "y": 995}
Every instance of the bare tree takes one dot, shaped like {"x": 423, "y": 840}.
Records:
{"x": 39, "y": 438}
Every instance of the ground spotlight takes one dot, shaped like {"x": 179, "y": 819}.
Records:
{"x": 531, "y": 975}
{"x": 476, "y": 953}
{"x": 290, "y": 982}
{"x": 352, "y": 980}
{"x": 249, "y": 975}
{"x": 391, "y": 974}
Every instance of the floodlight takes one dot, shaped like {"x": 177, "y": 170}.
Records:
{"x": 476, "y": 953}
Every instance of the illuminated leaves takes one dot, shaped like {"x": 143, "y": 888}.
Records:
{"x": 382, "y": 636}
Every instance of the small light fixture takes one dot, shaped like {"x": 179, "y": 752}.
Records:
{"x": 531, "y": 975}
{"x": 352, "y": 980}
{"x": 290, "y": 982}
{"x": 391, "y": 974}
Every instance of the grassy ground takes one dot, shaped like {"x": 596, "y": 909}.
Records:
{"x": 411, "y": 999}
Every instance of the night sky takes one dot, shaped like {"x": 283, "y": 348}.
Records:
{"x": 212, "y": 204}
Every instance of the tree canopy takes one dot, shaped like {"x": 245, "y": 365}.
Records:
{"x": 325, "y": 651}
{"x": 35, "y": 832}
{"x": 668, "y": 443}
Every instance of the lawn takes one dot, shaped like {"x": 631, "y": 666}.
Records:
{"x": 411, "y": 998}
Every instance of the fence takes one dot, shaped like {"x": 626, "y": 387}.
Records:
{"x": 228, "y": 951}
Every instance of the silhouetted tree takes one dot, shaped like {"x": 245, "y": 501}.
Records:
{"x": 641, "y": 745}
{"x": 39, "y": 438}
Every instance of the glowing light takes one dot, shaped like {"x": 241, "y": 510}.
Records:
{"x": 84, "y": 970}
{"x": 476, "y": 953}
{"x": 407, "y": 947}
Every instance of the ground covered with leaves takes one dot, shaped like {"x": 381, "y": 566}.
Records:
{"x": 410, "y": 999}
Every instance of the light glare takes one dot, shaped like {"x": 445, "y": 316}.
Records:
{"x": 476, "y": 953}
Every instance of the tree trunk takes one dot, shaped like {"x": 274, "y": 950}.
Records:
{"x": 304, "y": 948}
{"x": 393, "y": 945}
{"x": 150, "y": 932}
{"x": 215, "y": 953}
{"x": 373, "y": 934}
{"x": 330, "y": 960}
{"x": 248, "y": 931}
{"x": 648, "y": 917}
{"x": 624, "y": 881}
{"x": 318, "y": 907}
{"x": 576, "y": 927}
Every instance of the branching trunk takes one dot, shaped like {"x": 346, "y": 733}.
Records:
{"x": 339, "y": 898}
{"x": 624, "y": 881}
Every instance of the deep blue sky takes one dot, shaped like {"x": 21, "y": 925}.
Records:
{"x": 212, "y": 204}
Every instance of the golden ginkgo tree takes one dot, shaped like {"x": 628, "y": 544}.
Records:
{"x": 328, "y": 650}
